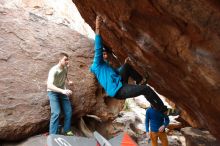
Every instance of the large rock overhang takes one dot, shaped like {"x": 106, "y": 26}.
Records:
{"x": 176, "y": 42}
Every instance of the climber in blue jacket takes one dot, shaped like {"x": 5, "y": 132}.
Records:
{"x": 115, "y": 82}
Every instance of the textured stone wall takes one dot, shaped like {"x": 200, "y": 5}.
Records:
{"x": 29, "y": 47}
{"x": 176, "y": 41}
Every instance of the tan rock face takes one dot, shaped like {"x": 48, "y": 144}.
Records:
{"x": 199, "y": 137}
{"x": 29, "y": 45}
{"x": 177, "y": 42}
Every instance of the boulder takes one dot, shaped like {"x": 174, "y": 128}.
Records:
{"x": 30, "y": 44}
{"x": 199, "y": 137}
{"x": 175, "y": 42}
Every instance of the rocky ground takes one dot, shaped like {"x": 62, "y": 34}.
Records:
{"x": 131, "y": 120}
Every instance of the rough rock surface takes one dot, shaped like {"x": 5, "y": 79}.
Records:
{"x": 64, "y": 12}
{"x": 176, "y": 41}
{"x": 199, "y": 137}
{"x": 29, "y": 45}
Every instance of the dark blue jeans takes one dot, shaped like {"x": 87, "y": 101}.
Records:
{"x": 56, "y": 100}
{"x": 130, "y": 91}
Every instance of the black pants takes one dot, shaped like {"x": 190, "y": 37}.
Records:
{"x": 130, "y": 91}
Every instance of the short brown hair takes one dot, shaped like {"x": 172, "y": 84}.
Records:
{"x": 62, "y": 54}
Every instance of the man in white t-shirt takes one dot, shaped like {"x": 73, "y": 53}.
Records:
{"x": 59, "y": 95}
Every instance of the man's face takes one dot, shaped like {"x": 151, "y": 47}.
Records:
{"x": 64, "y": 61}
{"x": 105, "y": 55}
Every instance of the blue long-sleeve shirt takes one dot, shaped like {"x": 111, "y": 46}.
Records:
{"x": 156, "y": 119}
{"x": 105, "y": 74}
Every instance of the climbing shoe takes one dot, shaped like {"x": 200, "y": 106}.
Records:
{"x": 69, "y": 133}
{"x": 172, "y": 112}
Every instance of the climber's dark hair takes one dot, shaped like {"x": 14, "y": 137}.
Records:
{"x": 106, "y": 49}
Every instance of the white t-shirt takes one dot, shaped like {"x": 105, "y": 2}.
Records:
{"x": 57, "y": 77}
